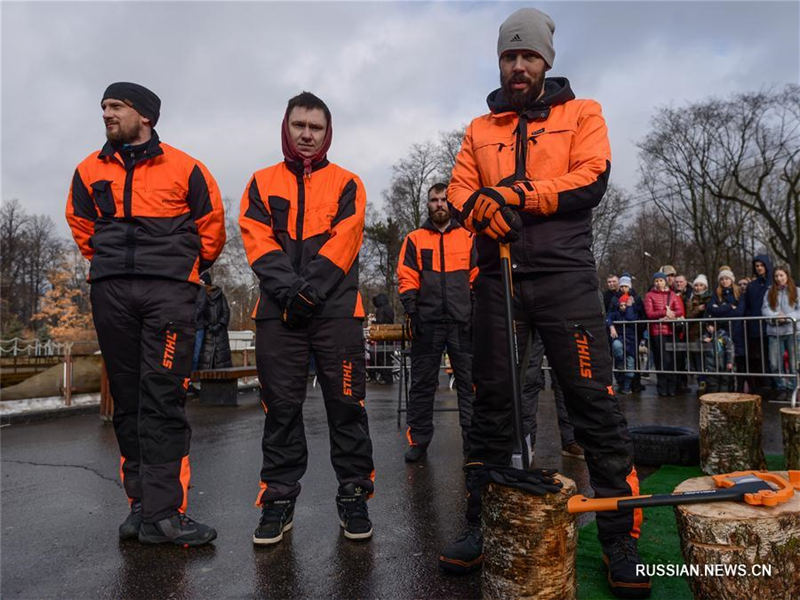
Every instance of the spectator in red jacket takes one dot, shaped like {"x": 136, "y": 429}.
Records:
{"x": 665, "y": 305}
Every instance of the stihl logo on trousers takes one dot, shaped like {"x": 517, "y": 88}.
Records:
{"x": 169, "y": 349}
{"x": 584, "y": 358}
{"x": 347, "y": 378}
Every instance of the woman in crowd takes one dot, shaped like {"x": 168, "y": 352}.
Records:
{"x": 665, "y": 305}
{"x": 782, "y": 302}
{"x": 725, "y": 303}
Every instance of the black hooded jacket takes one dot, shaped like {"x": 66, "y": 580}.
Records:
{"x": 754, "y": 296}
{"x": 214, "y": 315}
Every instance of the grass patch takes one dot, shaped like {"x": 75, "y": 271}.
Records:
{"x": 659, "y": 542}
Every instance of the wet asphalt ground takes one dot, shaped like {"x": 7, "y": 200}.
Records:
{"x": 61, "y": 503}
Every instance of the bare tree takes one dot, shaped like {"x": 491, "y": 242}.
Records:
{"x": 449, "y": 145}
{"x": 721, "y": 170}
{"x": 406, "y": 198}
{"x": 606, "y": 219}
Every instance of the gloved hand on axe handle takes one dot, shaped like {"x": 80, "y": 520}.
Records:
{"x": 492, "y": 211}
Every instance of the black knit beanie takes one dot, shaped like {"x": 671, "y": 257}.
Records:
{"x": 145, "y": 102}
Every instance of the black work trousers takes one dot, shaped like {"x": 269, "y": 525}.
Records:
{"x": 282, "y": 358}
{"x": 566, "y": 311}
{"x": 146, "y": 332}
{"x": 533, "y": 377}
{"x": 426, "y": 359}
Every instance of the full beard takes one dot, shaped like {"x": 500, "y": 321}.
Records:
{"x": 439, "y": 217}
{"x": 520, "y": 100}
{"x": 122, "y": 135}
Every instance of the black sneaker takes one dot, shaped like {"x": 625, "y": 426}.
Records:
{"x": 621, "y": 557}
{"x": 276, "y": 518}
{"x": 129, "y": 530}
{"x": 351, "y": 502}
{"x": 465, "y": 554}
{"x": 177, "y": 529}
{"x": 414, "y": 453}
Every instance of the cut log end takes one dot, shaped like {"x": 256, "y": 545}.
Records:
{"x": 762, "y": 545}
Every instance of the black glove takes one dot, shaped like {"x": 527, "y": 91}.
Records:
{"x": 481, "y": 207}
{"x": 504, "y": 226}
{"x": 535, "y": 481}
{"x": 301, "y": 302}
{"x": 413, "y": 325}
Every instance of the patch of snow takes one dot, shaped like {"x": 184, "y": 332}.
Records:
{"x": 15, "y": 407}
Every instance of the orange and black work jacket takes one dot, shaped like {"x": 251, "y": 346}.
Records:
{"x": 159, "y": 216}
{"x": 435, "y": 272}
{"x": 559, "y": 150}
{"x": 308, "y": 227}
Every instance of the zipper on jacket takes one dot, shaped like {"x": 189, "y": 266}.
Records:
{"x": 521, "y": 147}
{"x": 301, "y": 206}
{"x": 127, "y": 209}
{"x": 441, "y": 264}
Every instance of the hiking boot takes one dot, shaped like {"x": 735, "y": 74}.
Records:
{"x": 465, "y": 554}
{"x": 573, "y": 450}
{"x": 177, "y": 529}
{"x": 415, "y": 452}
{"x": 276, "y": 518}
{"x": 621, "y": 557}
{"x": 351, "y": 502}
{"x": 129, "y": 530}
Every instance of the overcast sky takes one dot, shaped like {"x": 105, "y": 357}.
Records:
{"x": 392, "y": 73}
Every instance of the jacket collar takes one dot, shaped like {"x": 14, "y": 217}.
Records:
{"x": 152, "y": 149}
{"x": 428, "y": 224}
{"x": 297, "y": 167}
{"x": 556, "y": 91}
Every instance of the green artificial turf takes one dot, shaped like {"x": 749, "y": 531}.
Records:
{"x": 658, "y": 544}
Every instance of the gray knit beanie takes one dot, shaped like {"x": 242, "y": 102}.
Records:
{"x": 528, "y": 29}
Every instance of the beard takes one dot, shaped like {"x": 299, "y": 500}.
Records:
{"x": 520, "y": 100}
{"x": 124, "y": 134}
{"x": 439, "y": 217}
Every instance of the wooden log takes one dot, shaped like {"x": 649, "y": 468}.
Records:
{"x": 385, "y": 333}
{"x": 790, "y": 427}
{"x": 730, "y": 433}
{"x": 758, "y": 545}
{"x": 529, "y": 544}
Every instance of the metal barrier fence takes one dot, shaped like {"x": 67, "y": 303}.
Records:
{"x": 22, "y": 347}
{"x": 707, "y": 348}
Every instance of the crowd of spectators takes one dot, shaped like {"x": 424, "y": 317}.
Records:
{"x": 718, "y": 337}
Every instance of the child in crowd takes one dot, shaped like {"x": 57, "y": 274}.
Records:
{"x": 718, "y": 357}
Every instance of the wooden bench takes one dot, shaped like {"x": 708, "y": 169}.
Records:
{"x": 220, "y": 386}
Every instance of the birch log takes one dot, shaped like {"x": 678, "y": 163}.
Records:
{"x": 529, "y": 544}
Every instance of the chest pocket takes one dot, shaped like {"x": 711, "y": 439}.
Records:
{"x": 494, "y": 156}
{"x": 279, "y": 209}
{"x": 426, "y": 258}
{"x": 104, "y": 198}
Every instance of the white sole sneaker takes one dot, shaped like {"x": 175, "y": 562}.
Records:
{"x": 355, "y": 536}
{"x": 262, "y": 541}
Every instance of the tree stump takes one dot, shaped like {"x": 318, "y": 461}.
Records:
{"x": 529, "y": 544}
{"x": 730, "y": 433}
{"x": 732, "y": 546}
{"x": 790, "y": 426}
{"x": 385, "y": 332}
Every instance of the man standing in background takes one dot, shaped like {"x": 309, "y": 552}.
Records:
{"x": 150, "y": 219}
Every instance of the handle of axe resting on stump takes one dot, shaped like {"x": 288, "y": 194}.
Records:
{"x": 513, "y": 352}
{"x": 752, "y": 487}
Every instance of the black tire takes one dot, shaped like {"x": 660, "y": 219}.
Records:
{"x": 655, "y": 445}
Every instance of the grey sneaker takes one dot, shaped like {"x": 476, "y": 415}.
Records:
{"x": 129, "y": 530}
{"x": 177, "y": 529}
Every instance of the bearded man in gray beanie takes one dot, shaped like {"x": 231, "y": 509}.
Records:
{"x": 529, "y": 174}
